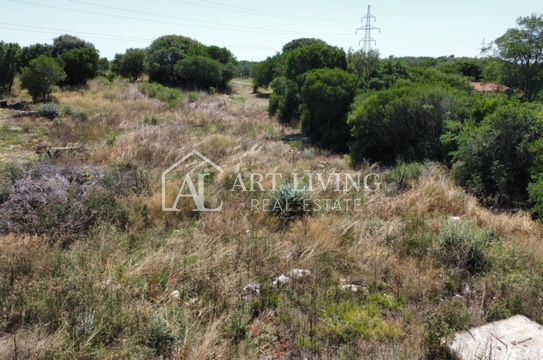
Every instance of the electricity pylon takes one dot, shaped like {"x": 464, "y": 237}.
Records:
{"x": 368, "y": 27}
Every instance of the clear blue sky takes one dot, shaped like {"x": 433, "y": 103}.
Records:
{"x": 256, "y": 29}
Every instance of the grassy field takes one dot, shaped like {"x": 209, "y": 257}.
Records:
{"x": 135, "y": 282}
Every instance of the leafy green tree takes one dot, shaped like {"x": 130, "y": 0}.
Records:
{"x": 9, "y": 54}
{"x": 327, "y": 96}
{"x": 41, "y": 75}
{"x": 80, "y": 65}
{"x": 496, "y": 158}
{"x": 285, "y": 100}
{"x": 221, "y": 54}
{"x": 313, "y": 56}
{"x": 363, "y": 64}
{"x": 267, "y": 70}
{"x": 404, "y": 122}
{"x": 521, "y": 52}
{"x": 200, "y": 72}
{"x": 65, "y": 43}
{"x": 31, "y": 52}
{"x": 165, "y": 52}
{"x": 298, "y": 43}
{"x": 131, "y": 64}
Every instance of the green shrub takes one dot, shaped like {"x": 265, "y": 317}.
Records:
{"x": 80, "y": 65}
{"x": 49, "y": 111}
{"x": 346, "y": 321}
{"x": 221, "y": 54}
{"x": 173, "y": 97}
{"x": 131, "y": 64}
{"x": 313, "y": 56}
{"x": 203, "y": 73}
{"x": 327, "y": 96}
{"x": 404, "y": 175}
{"x": 159, "y": 337}
{"x": 535, "y": 194}
{"x": 41, "y": 76}
{"x": 267, "y": 70}
{"x": 495, "y": 158}
{"x": 285, "y": 101}
{"x": 289, "y": 202}
{"x": 464, "y": 245}
{"x": 404, "y": 123}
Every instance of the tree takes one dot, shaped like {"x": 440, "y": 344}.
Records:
{"x": 405, "y": 122}
{"x": 521, "y": 52}
{"x": 298, "y": 43}
{"x": 40, "y": 76}
{"x": 80, "y": 65}
{"x": 285, "y": 100}
{"x": 363, "y": 64}
{"x": 31, "y": 52}
{"x": 313, "y": 56}
{"x": 131, "y": 64}
{"x": 200, "y": 72}
{"x": 9, "y": 54}
{"x": 267, "y": 70}
{"x": 165, "y": 52}
{"x": 327, "y": 95}
{"x": 65, "y": 43}
{"x": 221, "y": 54}
{"x": 497, "y": 157}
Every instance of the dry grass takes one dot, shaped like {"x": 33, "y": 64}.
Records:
{"x": 108, "y": 295}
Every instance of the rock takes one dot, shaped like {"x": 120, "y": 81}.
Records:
{"x": 175, "y": 295}
{"x": 455, "y": 219}
{"x": 299, "y": 273}
{"x": 281, "y": 280}
{"x": 250, "y": 291}
{"x": 513, "y": 339}
{"x": 354, "y": 288}
{"x": 458, "y": 297}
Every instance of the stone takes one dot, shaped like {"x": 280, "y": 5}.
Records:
{"x": 250, "y": 291}
{"x": 175, "y": 295}
{"x": 516, "y": 338}
{"x": 281, "y": 280}
{"x": 299, "y": 273}
{"x": 354, "y": 288}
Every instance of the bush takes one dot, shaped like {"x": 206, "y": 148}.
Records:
{"x": 462, "y": 245}
{"x": 221, "y": 54}
{"x": 495, "y": 158}
{"x": 80, "y": 65}
{"x": 173, "y": 97}
{"x": 313, "y": 56}
{"x": 9, "y": 56}
{"x": 131, "y": 64}
{"x": 40, "y": 76}
{"x": 203, "y": 73}
{"x": 535, "y": 194}
{"x": 165, "y": 52}
{"x": 267, "y": 70}
{"x": 290, "y": 203}
{"x": 404, "y": 123}
{"x": 298, "y": 43}
{"x": 404, "y": 175}
{"x": 49, "y": 111}
{"x": 285, "y": 101}
{"x": 327, "y": 95}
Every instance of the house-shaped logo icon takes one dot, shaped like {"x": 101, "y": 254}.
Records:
{"x": 195, "y": 192}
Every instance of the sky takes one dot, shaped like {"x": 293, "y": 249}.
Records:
{"x": 254, "y": 30}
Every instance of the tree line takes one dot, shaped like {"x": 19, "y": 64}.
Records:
{"x": 423, "y": 109}
{"x": 171, "y": 60}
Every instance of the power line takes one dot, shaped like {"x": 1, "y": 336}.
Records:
{"x": 219, "y": 26}
{"x": 44, "y": 30}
